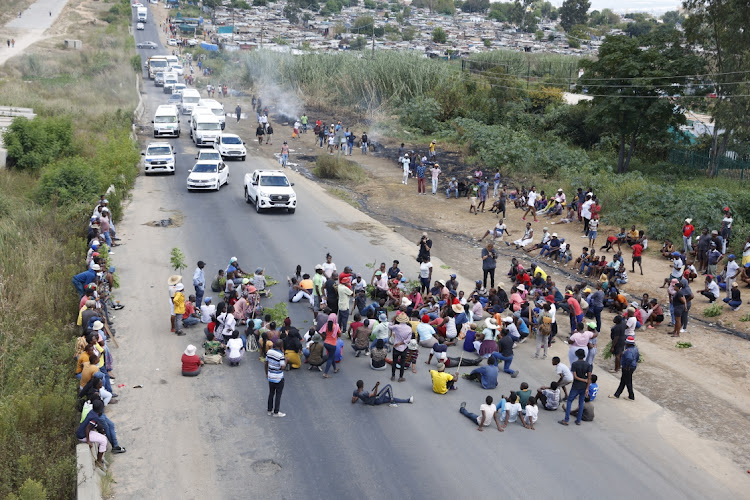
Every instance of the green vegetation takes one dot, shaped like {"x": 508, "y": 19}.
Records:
{"x": 344, "y": 196}
{"x": 278, "y": 312}
{"x": 177, "y": 260}
{"x": 713, "y": 310}
{"x": 335, "y": 167}
{"x": 683, "y": 345}
{"x": 62, "y": 160}
{"x": 438, "y": 35}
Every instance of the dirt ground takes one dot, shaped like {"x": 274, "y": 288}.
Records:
{"x": 690, "y": 382}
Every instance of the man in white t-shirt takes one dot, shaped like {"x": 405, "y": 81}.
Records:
{"x": 531, "y": 203}
{"x": 732, "y": 272}
{"x": 425, "y": 274}
{"x": 512, "y": 409}
{"x": 487, "y": 413}
{"x": 235, "y": 348}
{"x": 500, "y": 230}
{"x": 207, "y": 310}
{"x": 530, "y": 414}
{"x": 566, "y": 376}
{"x": 586, "y": 214}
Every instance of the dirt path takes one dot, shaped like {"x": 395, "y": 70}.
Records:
{"x": 31, "y": 27}
{"x": 692, "y": 383}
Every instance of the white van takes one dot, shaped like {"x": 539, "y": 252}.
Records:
{"x": 172, "y": 60}
{"x": 205, "y": 129}
{"x": 217, "y": 108}
{"x": 190, "y": 98}
{"x": 170, "y": 80}
{"x": 166, "y": 121}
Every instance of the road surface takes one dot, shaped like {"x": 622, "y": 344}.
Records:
{"x": 210, "y": 436}
{"x": 30, "y": 27}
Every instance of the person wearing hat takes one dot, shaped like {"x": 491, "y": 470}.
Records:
{"x": 191, "y": 363}
{"x": 315, "y": 354}
{"x": 734, "y": 300}
{"x": 426, "y": 332}
{"x": 401, "y": 332}
{"x": 630, "y": 359}
{"x": 199, "y": 282}
{"x": 208, "y": 310}
{"x": 405, "y": 163}
{"x": 713, "y": 258}
{"x": 452, "y": 188}
{"x": 178, "y": 302}
{"x": 82, "y": 279}
{"x": 259, "y": 280}
{"x": 172, "y": 283}
{"x": 443, "y": 382}
{"x": 412, "y": 353}
{"x": 344, "y": 301}
{"x": 435, "y": 176}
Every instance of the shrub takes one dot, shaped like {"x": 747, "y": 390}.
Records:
{"x": 422, "y": 113}
{"x": 31, "y": 144}
{"x": 713, "y": 310}
{"x": 136, "y": 63}
{"x": 71, "y": 180}
{"x": 335, "y": 167}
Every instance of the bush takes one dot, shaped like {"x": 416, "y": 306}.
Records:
{"x": 422, "y": 114}
{"x": 334, "y": 167}
{"x": 71, "y": 180}
{"x": 31, "y": 144}
{"x": 136, "y": 63}
{"x": 713, "y": 310}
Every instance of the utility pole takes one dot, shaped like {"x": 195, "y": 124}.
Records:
{"x": 373, "y": 38}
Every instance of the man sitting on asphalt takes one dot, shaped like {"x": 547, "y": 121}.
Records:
{"x": 377, "y": 398}
{"x": 487, "y": 413}
{"x": 486, "y": 375}
{"x": 442, "y": 382}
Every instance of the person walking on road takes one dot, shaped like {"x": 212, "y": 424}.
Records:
{"x": 259, "y": 133}
{"x": 629, "y": 364}
{"x": 199, "y": 282}
{"x": 580, "y": 387}
{"x": 238, "y": 112}
{"x": 284, "y": 154}
{"x": 275, "y": 363}
{"x": 531, "y": 203}
{"x": 332, "y": 332}
{"x": 375, "y": 398}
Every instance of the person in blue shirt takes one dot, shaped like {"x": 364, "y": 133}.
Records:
{"x": 593, "y": 388}
{"x": 629, "y": 362}
{"x": 483, "y": 187}
{"x": 82, "y": 279}
{"x": 486, "y": 375}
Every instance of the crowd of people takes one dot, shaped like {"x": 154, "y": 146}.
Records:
{"x": 94, "y": 362}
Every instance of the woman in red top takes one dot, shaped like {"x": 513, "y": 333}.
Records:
{"x": 687, "y": 235}
{"x": 191, "y": 363}
{"x": 331, "y": 332}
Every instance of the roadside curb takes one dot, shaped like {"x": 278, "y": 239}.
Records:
{"x": 89, "y": 483}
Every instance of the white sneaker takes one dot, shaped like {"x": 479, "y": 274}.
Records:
{"x": 393, "y": 405}
{"x": 279, "y": 414}
{"x": 682, "y": 330}
{"x": 523, "y": 340}
{"x": 270, "y": 413}
{"x": 411, "y": 399}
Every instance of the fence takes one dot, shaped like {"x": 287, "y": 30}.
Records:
{"x": 698, "y": 160}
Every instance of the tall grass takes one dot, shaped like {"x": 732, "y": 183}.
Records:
{"x": 534, "y": 64}
{"x": 335, "y": 167}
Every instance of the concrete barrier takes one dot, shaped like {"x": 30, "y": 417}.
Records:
{"x": 89, "y": 477}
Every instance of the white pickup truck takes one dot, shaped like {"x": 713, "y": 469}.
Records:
{"x": 270, "y": 189}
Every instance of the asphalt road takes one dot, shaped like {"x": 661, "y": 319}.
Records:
{"x": 326, "y": 447}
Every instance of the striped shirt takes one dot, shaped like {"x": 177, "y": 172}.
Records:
{"x": 276, "y": 363}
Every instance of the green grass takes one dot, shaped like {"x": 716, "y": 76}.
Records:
{"x": 344, "y": 196}
{"x": 713, "y": 310}
{"x": 338, "y": 168}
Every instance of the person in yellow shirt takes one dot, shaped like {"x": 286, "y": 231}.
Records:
{"x": 90, "y": 368}
{"x": 442, "y": 382}
{"x": 179, "y": 308}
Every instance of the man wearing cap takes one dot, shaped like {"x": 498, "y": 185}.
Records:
{"x": 442, "y": 382}
{"x": 687, "y": 235}
{"x": 344, "y": 294}
{"x": 402, "y": 335}
{"x": 199, "y": 282}
{"x": 732, "y": 270}
{"x": 426, "y": 332}
{"x": 452, "y": 188}
{"x": 629, "y": 363}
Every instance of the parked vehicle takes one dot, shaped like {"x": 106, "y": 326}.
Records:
{"x": 270, "y": 189}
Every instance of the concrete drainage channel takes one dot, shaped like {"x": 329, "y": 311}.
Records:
{"x": 89, "y": 476}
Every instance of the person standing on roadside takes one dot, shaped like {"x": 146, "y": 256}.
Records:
{"x": 259, "y": 133}
{"x": 405, "y": 165}
{"x": 679, "y": 304}
{"x": 489, "y": 263}
{"x": 732, "y": 272}
{"x": 687, "y": 235}
{"x": 726, "y": 229}
{"x": 629, "y": 363}
{"x": 483, "y": 190}
{"x": 238, "y": 112}
{"x": 580, "y": 387}
{"x": 425, "y": 246}
{"x": 531, "y": 203}
{"x": 345, "y": 293}
{"x": 275, "y": 364}
{"x": 319, "y": 281}
{"x": 435, "y": 171}
{"x": 365, "y": 143}
{"x": 332, "y": 332}
{"x": 199, "y": 282}
{"x": 421, "y": 171}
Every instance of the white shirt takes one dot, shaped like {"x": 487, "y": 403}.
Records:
{"x": 728, "y": 222}
{"x": 532, "y": 198}
{"x": 630, "y": 325}
{"x": 328, "y": 269}
{"x": 560, "y": 198}
{"x": 546, "y": 237}
{"x": 229, "y": 324}
{"x": 552, "y": 311}
{"x": 586, "y": 209}
{"x": 424, "y": 269}
{"x": 532, "y": 412}
{"x": 713, "y": 289}
{"x": 512, "y": 410}
{"x": 235, "y": 347}
{"x": 500, "y": 228}
{"x": 207, "y": 310}
{"x": 732, "y": 269}
{"x": 677, "y": 268}
{"x": 489, "y": 413}
{"x": 563, "y": 370}
{"x": 405, "y": 162}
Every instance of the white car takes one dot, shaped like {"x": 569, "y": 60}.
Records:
{"x": 176, "y": 68}
{"x": 159, "y": 157}
{"x": 270, "y": 189}
{"x": 208, "y": 174}
{"x": 208, "y": 154}
{"x": 140, "y": 26}
{"x": 177, "y": 88}
{"x": 172, "y": 42}
{"x": 230, "y": 146}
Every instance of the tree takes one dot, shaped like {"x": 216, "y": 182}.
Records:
{"x": 721, "y": 28}
{"x": 260, "y": 3}
{"x": 370, "y": 4}
{"x": 640, "y": 28}
{"x": 290, "y": 12}
{"x": 358, "y": 43}
{"x": 407, "y": 34}
{"x": 438, "y": 35}
{"x": 631, "y": 86}
{"x": 475, "y": 5}
{"x": 673, "y": 17}
{"x": 573, "y": 12}
{"x": 363, "y": 24}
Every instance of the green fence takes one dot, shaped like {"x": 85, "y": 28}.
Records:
{"x": 729, "y": 168}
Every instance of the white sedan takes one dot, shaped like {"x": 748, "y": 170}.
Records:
{"x": 172, "y": 42}
{"x": 139, "y": 26}
{"x": 230, "y": 146}
{"x": 176, "y": 68}
{"x": 208, "y": 174}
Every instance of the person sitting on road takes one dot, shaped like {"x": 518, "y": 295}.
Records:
{"x": 442, "y": 382}
{"x": 549, "y": 396}
{"x": 191, "y": 363}
{"x": 485, "y": 375}
{"x": 378, "y": 354}
{"x": 375, "y": 398}
{"x": 487, "y": 414}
